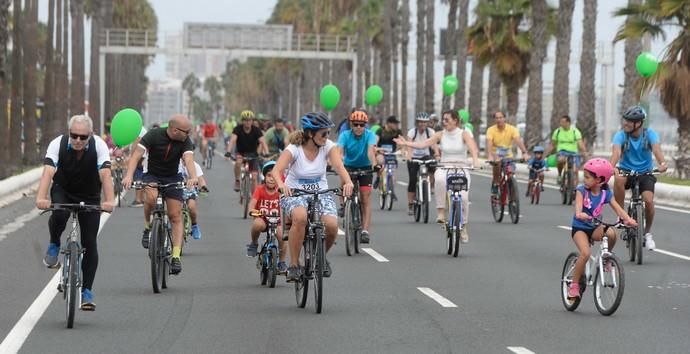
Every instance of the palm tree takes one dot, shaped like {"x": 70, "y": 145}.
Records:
{"x": 539, "y": 39}
{"x": 421, "y": 47}
{"x": 461, "y": 56}
{"x": 16, "y": 109}
{"x": 77, "y": 84}
{"x": 429, "y": 66}
{"x": 494, "y": 92}
{"x": 404, "y": 41}
{"x": 213, "y": 87}
{"x": 450, "y": 44}
{"x": 30, "y": 48}
{"x": 633, "y": 47}
{"x": 386, "y": 55}
{"x": 654, "y": 18}
{"x": 4, "y": 40}
{"x": 190, "y": 84}
{"x": 586, "y": 100}
{"x": 561, "y": 86}
{"x": 49, "y": 82}
{"x": 476, "y": 93}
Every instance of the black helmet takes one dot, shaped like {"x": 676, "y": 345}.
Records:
{"x": 635, "y": 114}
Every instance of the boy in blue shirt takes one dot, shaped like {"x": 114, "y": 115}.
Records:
{"x": 537, "y": 166}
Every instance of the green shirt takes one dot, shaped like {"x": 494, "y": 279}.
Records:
{"x": 566, "y": 140}
{"x": 229, "y": 126}
{"x": 275, "y": 141}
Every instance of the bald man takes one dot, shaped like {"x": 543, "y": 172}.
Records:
{"x": 165, "y": 147}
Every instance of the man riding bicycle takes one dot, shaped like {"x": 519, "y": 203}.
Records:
{"x": 566, "y": 140}
{"x": 358, "y": 148}
{"x": 78, "y": 164}
{"x": 276, "y": 137}
{"x": 385, "y": 143}
{"x": 500, "y": 139}
{"x": 209, "y": 134}
{"x": 249, "y": 141}
{"x": 632, "y": 151}
{"x": 420, "y": 133}
{"x": 165, "y": 148}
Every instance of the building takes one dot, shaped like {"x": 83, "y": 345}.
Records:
{"x": 165, "y": 98}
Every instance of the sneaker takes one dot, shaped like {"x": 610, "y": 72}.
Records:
{"x": 327, "y": 271}
{"x": 649, "y": 242}
{"x": 136, "y": 204}
{"x": 464, "y": 236}
{"x": 364, "y": 237}
{"x": 87, "y": 303}
{"x": 51, "y": 258}
{"x": 282, "y": 267}
{"x": 145, "y": 238}
{"x": 410, "y": 209}
{"x": 293, "y": 274}
{"x": 252, "y": 250}
{"x": 573, "y": 291}
{"x": 175, "y": 265}
{"x": 440, "y": 220}
{"x": 236, "y": 188}
{"x": 341, "y": 211}
{"x": 196, "y": 232}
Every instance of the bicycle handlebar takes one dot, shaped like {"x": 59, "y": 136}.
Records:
{"x": 300, "y": 192}
{"x": 358, "y": 173}
{"x": 458, "y": 167}
{"x": 423, "y": 162}
{"x": 74, "y": 207}
{"x": 142, "y": 185}
{"x": 635, "y": 173}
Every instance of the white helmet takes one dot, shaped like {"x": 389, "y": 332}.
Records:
{"x": 422, "y": 117}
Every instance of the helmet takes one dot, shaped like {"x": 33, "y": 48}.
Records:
{"x": 267, "y": 167}
{"x": 262, "y": 117}
{"x": 635, "y": 114}
{"x": 537, "y": 149}
{"x": 245, "y": 115}
{"x": 600, "y": 168}
{"x": 422, "y": 117}
{"x": 316, "y": 121}
{"x": 359, "y": 116}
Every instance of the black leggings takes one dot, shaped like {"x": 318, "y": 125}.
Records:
{"x": 88, "y": 224}
{"x": 412, "y": 168}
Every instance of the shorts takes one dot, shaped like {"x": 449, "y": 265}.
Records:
{"x": 647, "y": 182}
{"x": 138, "y": 173}
{"x": 168, "y": 193}
{"x": 533, "y": 174}
{"x": 365, "y": 181}
{"x": 328, "y": 206}
{"x": 589, "y": 232}
{"x": 190, "y": 194}
{"x": 576, "y": 157}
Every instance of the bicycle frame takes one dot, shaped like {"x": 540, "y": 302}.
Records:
{"x": 506, "y": 171}
{"x": 422, "y": 176}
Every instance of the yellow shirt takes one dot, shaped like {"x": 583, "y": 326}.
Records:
{"x": 502, "y": 139}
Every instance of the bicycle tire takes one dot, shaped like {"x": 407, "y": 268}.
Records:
{"x": 302, "y": 286}
{"x": 425, "y": 201}
{"x": 272, "y": 267}
{"x": 154, "y": 257}
{"x": 72, "y": 283}
{"x": 566, "y": 279}
{"x": 618, "y": 275}
{"x": 631, "y": 237}
{"x": 569, "y": 189}
{"x": 382, "y": 199}
{"x": 457, "y": 221}
{"x": 537, "y": 194}
{"x": 263, "y": 272}
{"x": 320, "y": 263}
{"x": 497, "y": 207}
{"x": 245, "y": 196}
{"x": 209, "y": 163}
{"x": 513, "y": 201}
{"x": 639, "y": 232}
{"x": 417, "y": 211}
{"x": 166, "y": 252}
{"x": 356, "y": 226}
{"x": 390, "y": 193}
{"x": 449, "y": 239}
{"x": 564, "y": 186}
{"x": 348, "y": 228}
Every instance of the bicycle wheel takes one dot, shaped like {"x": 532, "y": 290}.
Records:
{"x": 449, "y": 238}
{"x": 166, "y": 253}
{"x": 72, "y": 284}
{"x": 567, "y": 278}
{"x": 639, "y": 232}
{"x": 319, "y": 263}
{"x": 154, "y": 254}
{"x": 356, "y": 225}
{"x": 272, "y": 267}
{"x": 209, "y": 162}
{"x": 417, "y": 210}
{"x": 302, "y": 286}
{"x": 382, "y": 199}
{"x": 245, "y": 196}
{"x": 263, "y": 269}
{"x": 391, "y": 193}
{"x": 537, "y": 193}
{"x": 349, "y": 229}
{"x": 457, "y": 221}
{"x": 513, "y": 201}
{"x": 564, "y": 187}
{"x": 425, "y": 201}
{"x": 609, "y": 287}
{"x": 497, "y": 207}
{"x": 569, "y": 189}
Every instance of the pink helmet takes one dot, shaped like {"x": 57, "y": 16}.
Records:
{"x": 600, "y": 168}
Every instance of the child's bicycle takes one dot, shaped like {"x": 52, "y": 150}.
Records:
{"x": 608, "y": 278}
{"x": 535, "y": 188}
{"x": 267, "y": 261}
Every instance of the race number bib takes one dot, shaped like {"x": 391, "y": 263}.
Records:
{"x": 309, "y": 184}
{"x": 502, "y": 152}
{"x": 387, "y": 148}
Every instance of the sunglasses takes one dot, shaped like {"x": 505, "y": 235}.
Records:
{"x": 185, "y": 132}
{"x": 325, "y": 133}
{"x": 359, "y": 125}
{"x": 79, "y": 136}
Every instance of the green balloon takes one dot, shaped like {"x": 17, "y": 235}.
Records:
{"x": 164, "y": 125}
{"x": 330, "y": 96}
{"x": 374, "y": 95}
{"x": 126, "y": 127}
{"x": 469, "y": 127}
{"x": 465, "y": 115}
{"x": 450, "y": 85}
{"x": 646, "y": 64}
{"x": 551, "y": 160}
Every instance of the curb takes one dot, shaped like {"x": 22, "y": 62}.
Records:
{"x": 14, "y": 188}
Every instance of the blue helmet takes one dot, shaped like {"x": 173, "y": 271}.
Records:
{"x": 267, "y": 167}
{"x": 635, "y": 114}
{"x": 316, "y": 121}
{"x": 537, "y": 149}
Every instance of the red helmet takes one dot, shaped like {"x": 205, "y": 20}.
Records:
{"x": 599, "y": 168}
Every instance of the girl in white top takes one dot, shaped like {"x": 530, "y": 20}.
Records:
{"x": 306, "y": 159}
{"x": 454, "y": 142}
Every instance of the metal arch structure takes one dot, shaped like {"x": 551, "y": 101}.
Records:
{"x": 241, "y": 44}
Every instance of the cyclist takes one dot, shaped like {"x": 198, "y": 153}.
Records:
{"x": 590, "y": 198}
{"x": 358, "y": 149}
{"x": 307, "y": 156}
{"x": 266, "y": 199}
{"x": 454, "y": 142}
{"x": 276, "y": 137}
{"x": 249, "y": 141}
{"x": 632, "y": 151}
{"x": 421, "y": 132}
{"x": 165, "y": 148}
{"x": 386, "y": 144}
{"x": 78, "y": 164}
{"x": 229, "y": 125}
{"x": 209, "y": 134}
{"x": 536, "y": 166}
{"x": 191, "y": 194}
{"x": 500, "y": 139}
{"x": 566, "y": 140}
{"x": 264, "y": 122}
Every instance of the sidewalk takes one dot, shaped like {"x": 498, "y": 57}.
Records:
{"x": 15, "y": 187}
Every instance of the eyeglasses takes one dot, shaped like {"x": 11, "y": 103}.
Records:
{"x": 79, "y": 136}
{"x": 359, "y": 125}
{"x": 185, "y": 132}
{"x": 325, "y": 133}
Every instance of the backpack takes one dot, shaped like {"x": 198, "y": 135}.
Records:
{"x": 645, "y": 141}
{"x": 278, "y": 138}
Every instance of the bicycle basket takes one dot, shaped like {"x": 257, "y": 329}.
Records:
{"x": 456, "y": 182}
{"x": 390, "y": 159}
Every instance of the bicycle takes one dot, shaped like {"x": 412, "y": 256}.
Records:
{"x": 568, "y": 179}
{"x": 456, "y": 182}
{"x": 534, "y": 189}
{"x": 608, "y": 289}
{"x": 267, "y": 262}
{"x": 421, "y": 200}
{"x": 210, "y": 147}
{"x": 246, "y": 183}
{"x": 313, "y": 253}
{"x": 387, "y": 183}
{"x": 352, "y": 218}
{"x": 507, "y": 193}
{"x": 160, "y": 244}
{"x": 634, "y": 240}
{"x": 70, "y": 279}
{"x": 118, "y": 175}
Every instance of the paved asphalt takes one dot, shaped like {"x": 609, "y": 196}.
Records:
{"x": 505, "y": 286}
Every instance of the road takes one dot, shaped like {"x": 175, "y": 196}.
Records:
{"x": 500, "y": 296}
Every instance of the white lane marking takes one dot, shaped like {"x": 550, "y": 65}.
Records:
{"x": 18, "y": 223}
{"x": 436, "y": 297}
{"x": 564, "y": 227}
{"x": 377, "y": 256}
{"x": 520, "y": 350}
{"x": 672, "y": 254}
{"x": 507, "y": 213}
{"x": 672, "y": 209}
{"x": 21, "y": 330}
{"x": 402, "y": 183}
